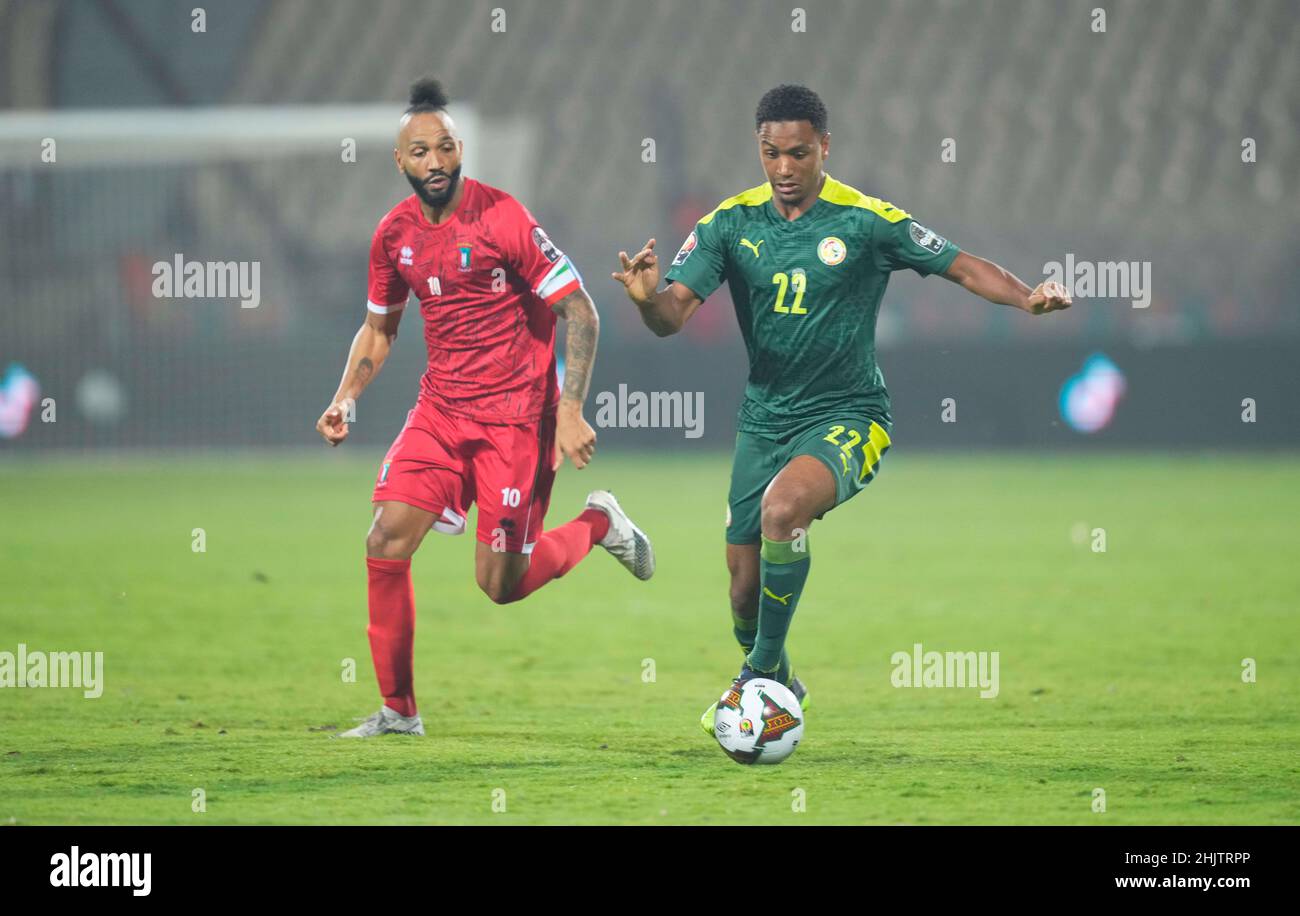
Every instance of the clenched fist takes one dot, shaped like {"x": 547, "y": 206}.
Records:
{"x": 333, "y": 423}
{"x": 1049, "y": 296}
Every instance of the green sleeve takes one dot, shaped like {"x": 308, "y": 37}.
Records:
{"x": 701, "y": 262}
{"x": 907, "y": 243}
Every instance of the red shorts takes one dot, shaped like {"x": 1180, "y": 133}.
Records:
{"x": 442, "y": 463}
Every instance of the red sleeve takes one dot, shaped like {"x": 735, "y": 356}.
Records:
{"x": 386, "y": 291}
{"x": 534, "y": 257}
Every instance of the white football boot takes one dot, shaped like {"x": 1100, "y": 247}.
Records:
{"x": 385, "y": 722}
{"x": 625, "y": 541}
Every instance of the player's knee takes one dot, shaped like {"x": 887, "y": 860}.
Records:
{"x": 744, "y": 598}
{"x": 744, "y": 592}
{"x": 781, "y": 515}
{"x": 385, "y": 544}
{"x": 498, "y": 587}
{"x": 497, "y": 593}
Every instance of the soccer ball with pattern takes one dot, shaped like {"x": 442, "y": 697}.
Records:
{"x": 759, "y": 723}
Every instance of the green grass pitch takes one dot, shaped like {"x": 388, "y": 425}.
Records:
{"x": 1119, "y": 670}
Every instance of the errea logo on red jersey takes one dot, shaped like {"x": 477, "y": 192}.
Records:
{"x": 406, "y": 254}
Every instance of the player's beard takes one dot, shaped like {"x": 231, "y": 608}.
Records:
{"x": 438, "y": 199}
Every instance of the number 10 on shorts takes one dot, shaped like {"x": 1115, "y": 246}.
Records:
{"x": 509, "y": 497}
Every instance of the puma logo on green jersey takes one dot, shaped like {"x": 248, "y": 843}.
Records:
{"x": 750, "y": 245}
{"x": 775, "y": 597}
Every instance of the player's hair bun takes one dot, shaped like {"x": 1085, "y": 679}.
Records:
{"x": 427, "y": 94}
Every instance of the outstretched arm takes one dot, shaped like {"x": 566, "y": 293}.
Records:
{"x": 370, "y": 348}
{"x": 997, "y": 284}
{"x": 573, "y": 436}
{"x": 664, "y": 311}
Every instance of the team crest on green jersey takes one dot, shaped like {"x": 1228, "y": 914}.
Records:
{"x": 831, "y": 250}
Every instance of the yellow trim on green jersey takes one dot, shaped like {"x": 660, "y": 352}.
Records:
{"x": 751, "y": 198}
{"x": 837, "y": 192}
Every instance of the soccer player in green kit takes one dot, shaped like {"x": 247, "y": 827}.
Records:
{"x": 807, "y": 259}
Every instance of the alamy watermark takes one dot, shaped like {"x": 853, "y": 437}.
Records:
{"x": 83, "y": 670}
{"x": 103, "y": 869}
{"x": 1103, "y": 279}
{"x": 628, "y": 409}
{"x": 182, "y": 279}
{"x": 919, "y": 668}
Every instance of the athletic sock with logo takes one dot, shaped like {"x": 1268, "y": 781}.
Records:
{"x": 783, "y": 568}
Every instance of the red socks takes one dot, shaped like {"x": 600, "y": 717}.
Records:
{"x": 392, "y": 631}
{"x": 392, "y": 601}
{"x": 559, "y": 550}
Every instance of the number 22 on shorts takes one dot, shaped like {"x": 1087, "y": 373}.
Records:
{"x": 872, "y": 447}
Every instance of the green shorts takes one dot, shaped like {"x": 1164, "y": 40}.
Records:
{"x": 851, "y": 446}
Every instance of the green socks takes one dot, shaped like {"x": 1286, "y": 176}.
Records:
{"x": 784, "y": 571}
{"x": 746, "y": 630}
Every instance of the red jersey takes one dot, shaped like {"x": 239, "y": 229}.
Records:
{"x": 486, "y": 280}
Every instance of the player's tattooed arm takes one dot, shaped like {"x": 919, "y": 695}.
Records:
{"x": 369, "y": 350}
{"x": 582, "y": 329}
{"x": 999, "y": 285}
{"x": 573, "y": 436}
{"x": 664, "y": 312}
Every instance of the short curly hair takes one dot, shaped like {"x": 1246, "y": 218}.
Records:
{"x": 792, "y": 103}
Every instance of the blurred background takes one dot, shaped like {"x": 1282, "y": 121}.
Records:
{"x": 139, "y": 131}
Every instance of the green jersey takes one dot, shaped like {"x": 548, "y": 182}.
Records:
{"x": 807, "y": 292}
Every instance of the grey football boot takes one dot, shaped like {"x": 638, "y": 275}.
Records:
{"x": 385, "y": 722}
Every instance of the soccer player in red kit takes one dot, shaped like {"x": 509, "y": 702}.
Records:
{"x": 490, "y": 425}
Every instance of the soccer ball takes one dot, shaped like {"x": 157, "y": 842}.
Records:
{"x": 760, "y": 723}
